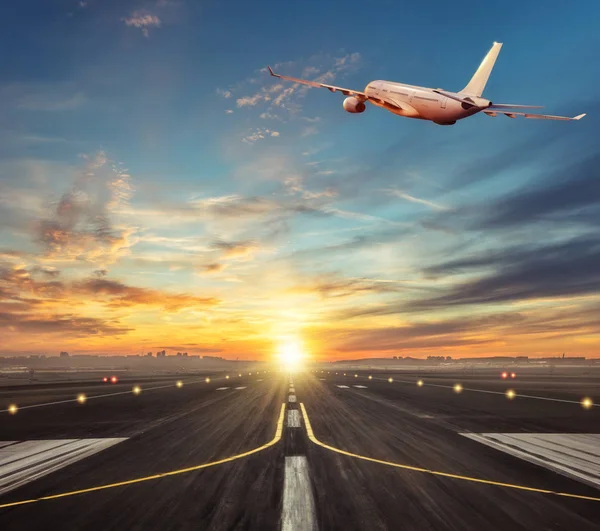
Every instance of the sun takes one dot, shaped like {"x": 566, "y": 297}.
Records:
{"x": 291, "y": 356}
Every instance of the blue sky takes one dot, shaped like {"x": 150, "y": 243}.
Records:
{"x": 159, "y": 190}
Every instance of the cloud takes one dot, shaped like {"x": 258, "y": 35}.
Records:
{"x": 224, "y": 93}
{"x": 211, "y": 268}
{"x": 333, "y": 285}
{"x": 236, "y": 249}
{"x": 567, "y": 190}
{"x": 413, "y": 199}
{"x": 67, "y": 325}
{"x": 259, "y": 134}
{"x": 285, "y": 95}
{"x": 308, "y": 131}
{"x": 80, "y": 227}
{"x": 520, "y": 274}
{"x": 119, "y": 295}
{"x": 143, "y": 20}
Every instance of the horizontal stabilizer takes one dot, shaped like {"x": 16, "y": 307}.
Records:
{"x": 454, "y": 97}
{"x": 511, "y": 106}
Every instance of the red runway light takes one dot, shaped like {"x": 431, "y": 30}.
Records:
{"x": 513, "y": 374}
{"x": 504, "y": 375}
{"x": 105, "y": 379}
{"x": 113, "y": 379}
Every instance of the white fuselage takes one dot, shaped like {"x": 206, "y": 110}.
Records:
{"x": 418, "y": 102}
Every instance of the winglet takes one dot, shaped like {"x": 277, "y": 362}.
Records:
{"x": 579, "y": 117}
{"x": 271, "y": 71}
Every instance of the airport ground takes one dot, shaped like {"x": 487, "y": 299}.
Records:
{"x": 410, "y": 455}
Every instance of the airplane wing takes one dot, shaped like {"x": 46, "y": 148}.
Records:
{"x": 346, "y": 92}
{"x": 494, "y": 112}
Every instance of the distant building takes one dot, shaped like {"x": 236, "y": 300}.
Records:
{"x": 212, "y": 357}
{"x": 161, "y": 354}
{"x": 64, "y": 354}
{"x": 149, "y": 355}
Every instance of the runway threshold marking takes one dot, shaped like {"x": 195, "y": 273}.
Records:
{"x": 576, "y": 455}
{"x": 276, "y": 438}
{"x": 26, "y": 461}
{"x": 316, "y": 441}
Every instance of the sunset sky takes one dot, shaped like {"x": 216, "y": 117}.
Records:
{"x": 159, "y": 190}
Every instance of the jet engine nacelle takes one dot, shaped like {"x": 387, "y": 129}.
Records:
{"x": 354, "y": 105}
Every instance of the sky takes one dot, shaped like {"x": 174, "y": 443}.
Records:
{"x": 159, "y": 190}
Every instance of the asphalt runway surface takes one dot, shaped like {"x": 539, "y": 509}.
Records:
{"x": 294, "y": 452}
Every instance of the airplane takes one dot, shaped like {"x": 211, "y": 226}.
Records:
{"x": 440, "y": 106}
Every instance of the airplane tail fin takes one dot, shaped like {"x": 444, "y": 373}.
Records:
{"x": 480, "y": 78}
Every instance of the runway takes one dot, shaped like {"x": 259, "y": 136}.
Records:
{"x": 306, "y": 451}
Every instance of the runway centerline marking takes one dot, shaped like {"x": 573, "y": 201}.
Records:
{"x": 222, "y": 388}
{"x": 298, "y": 512}
{"x": 239, "y": 388}
{"x": 292, "y": 398}
{"x": 293, "y": 419}
{"x": 276, "y": 438}
{"x": 360, "y": 386}
{"x": 343, "y": 386}
{"x": 314, "y": 440}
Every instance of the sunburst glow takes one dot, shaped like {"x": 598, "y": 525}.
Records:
{"x": 291, "y": 355}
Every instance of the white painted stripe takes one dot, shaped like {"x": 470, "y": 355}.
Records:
{"x": 293, "y": 420}
{"x": 27, "y": 461}
{"x": 222, "y": 388}
{"x": 576, "y": 455}
{"x": 292, "y": 398}
{"x": 259, "y": 380}
{"x": 360, "y": 386}
{"x": 298, "y": 513}
{"x": 239, "y": 388}
{"x": 343, "y": 386}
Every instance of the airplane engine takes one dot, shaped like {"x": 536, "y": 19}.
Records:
{"x": 354, "y": 105}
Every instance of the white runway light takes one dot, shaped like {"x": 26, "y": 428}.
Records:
{"x": 137, "y": 390}
{"x": 179, "y": 384}
{"x": 390, "y": 379}
{"x": 81, "y": 398}
{"x": 458, "y": 388}
{"x": 420, "y": 383}
{"x": 12, "y": 409}
{"x": 510, "y": 394}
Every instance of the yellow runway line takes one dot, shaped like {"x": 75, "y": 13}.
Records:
{"x": 272, "y": 442}
{"x": 316, "y": 441}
